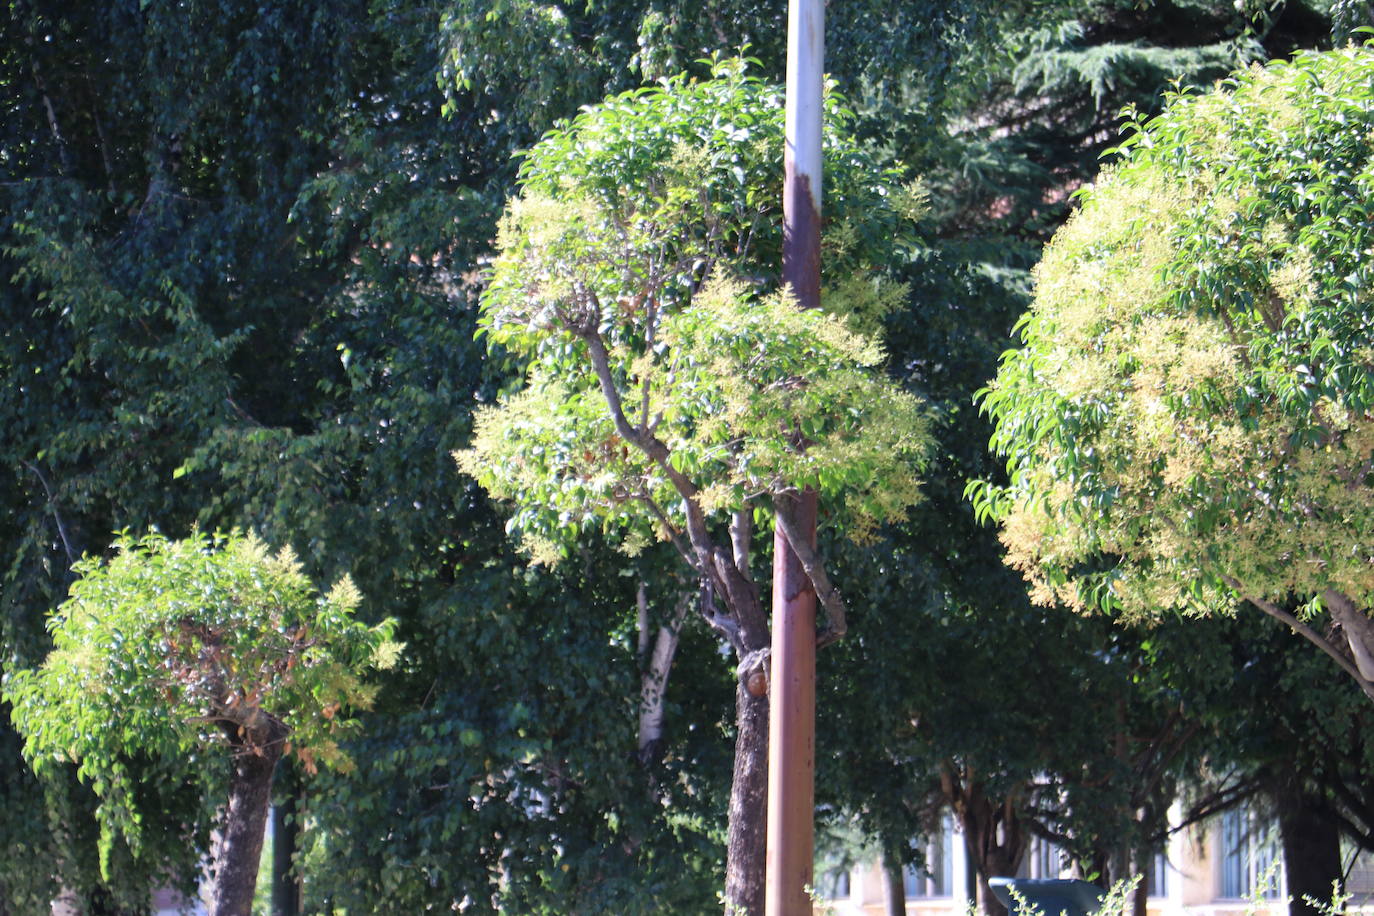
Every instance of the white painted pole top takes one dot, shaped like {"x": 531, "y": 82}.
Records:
{"x": 805, "y": 81}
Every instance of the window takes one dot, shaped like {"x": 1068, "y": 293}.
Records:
{"x": 834, "y": 884}
{"x": 1249, "y": 857}
{"x": 1159, "y": 876}
{"x": 1042, "y": 860}
{"x": 936, "y": 879}
{"x": 1359, "y": 866}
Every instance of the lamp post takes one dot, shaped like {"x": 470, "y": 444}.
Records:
{"x": 792, "y": 706}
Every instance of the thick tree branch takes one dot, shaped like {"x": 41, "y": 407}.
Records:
{"x": 1355, "y": 807}
{"x": 650, "y": 445}
{"x": 1358, "y": 475}
{"x": 1358, "y": 629}
{"x": 741, "y": 538}
{"x": 1306, "y": 631}
{"x": 650, "y": 332}
{"x": 63, "y": 152}
{"x": 654, "y": 679}
{"x": 811, "y": 564}
{"x": 1168, "y": 756}
{"x": 749, "y": 630}
{"x": 743, "y": 600}
{"x": 723, "y": 624}
{"x": 642, "y": 619}
{"x": 106, "y": 162}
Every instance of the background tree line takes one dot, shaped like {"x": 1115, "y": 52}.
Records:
{"x": 240, "y": 252}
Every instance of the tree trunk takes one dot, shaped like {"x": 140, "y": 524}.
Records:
{"x": 1140, "y": 899}
{"x": 895, "y": 881}
{"x": 240, "y": 842}
{"x": 286, "y": 888}
{"x": 101, "y": 902}
{"x": 746, "y": 844}
{"x": 656, "y": 660}
{"x": 993, "y": 834}
{"x": 992, "y": 859}
{"x": 988, "y": 904}
{"x": 1311, "y": 851}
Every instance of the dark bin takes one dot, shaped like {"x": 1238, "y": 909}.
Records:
{"x": 1052, "y": 896}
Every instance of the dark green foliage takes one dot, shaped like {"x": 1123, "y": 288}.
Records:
{"x": 265, "y": 323}
{"x": 253, "y": 229}
{"x": 515, "y": 764}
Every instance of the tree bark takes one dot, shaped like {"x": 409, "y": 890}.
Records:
{"x": 988, "y": 904}
{"x": 657, "y": 662}
{"x": 746, "y": 843}
{"x": 1358, "y": 629}
{"x": 746, "y": 627}
{"x": 101, "y": 902}
{"x": 993, "y": 834}
{"x": 1359, "y": 634}
{"x": 1141, "y": 898}
{"x": 895, "y": 883}
{"x": 1311, "y": 850}
{"x": 239, "y": 849}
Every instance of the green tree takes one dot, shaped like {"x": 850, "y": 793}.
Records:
{"x": 670, "y": 394}
{"x": 286, "y": 324}
{"x": 175, "y": 653}
{"x": 1189, "y": 421}
{"x": 1032, "y": 101}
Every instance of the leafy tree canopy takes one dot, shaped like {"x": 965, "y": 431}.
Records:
{"x": 1191, "y": 417}
{"x": 176, "y": 651}
{"x": 637, "y": 272}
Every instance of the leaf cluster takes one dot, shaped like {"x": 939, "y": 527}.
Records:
{"x": 174, "y": 651}
{"x": 1194, "y": 401}
{"x": 649, "y": 229}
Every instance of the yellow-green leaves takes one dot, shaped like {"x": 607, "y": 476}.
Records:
{"x": 753, "y": 397}
{"x": 167, "y": 647}
{"x": 1194, "y": 402}
{"x": 650, "y": 229}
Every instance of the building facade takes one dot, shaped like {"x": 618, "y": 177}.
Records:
{"x": 1229, "y": 866}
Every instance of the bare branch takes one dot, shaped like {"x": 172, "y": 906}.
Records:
{"x": 811, "y": 564}
{"x": 668, "y": 528}
{"x": 1222, "y": 799}
{"x": 57, "y": 516}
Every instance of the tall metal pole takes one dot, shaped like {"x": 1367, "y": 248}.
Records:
{"x": 792, "y": 705}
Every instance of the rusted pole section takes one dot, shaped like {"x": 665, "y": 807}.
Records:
{"x": 792, "y": 686}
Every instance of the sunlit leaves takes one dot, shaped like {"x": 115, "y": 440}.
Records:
{"x": 652, "y": 223}
{"x": 167, "y": 643}
{"x": 1195, "y": 397}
